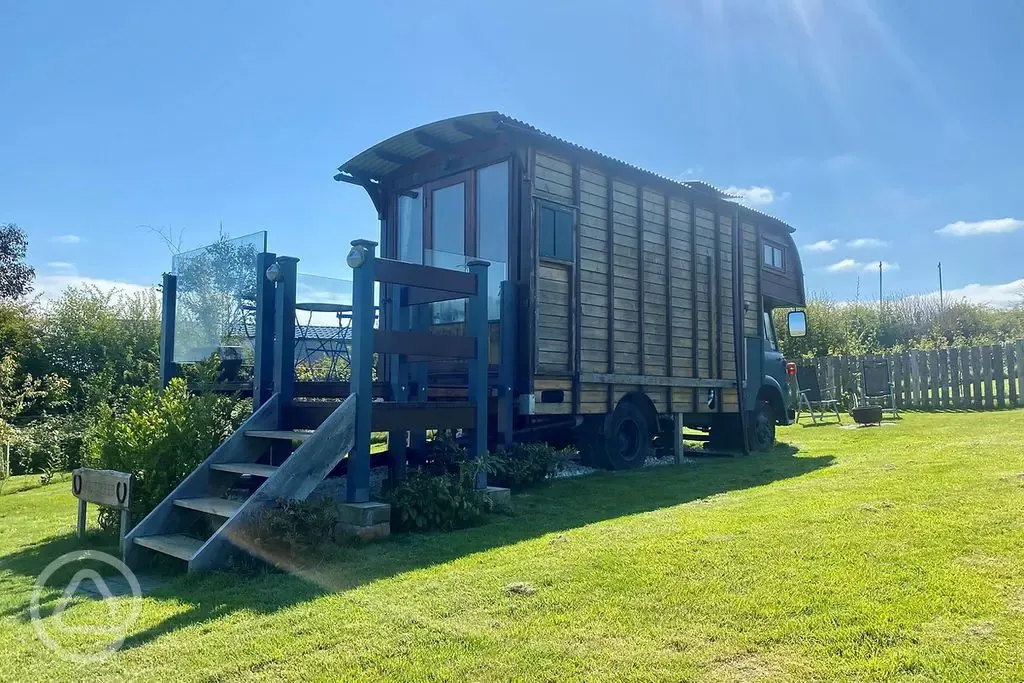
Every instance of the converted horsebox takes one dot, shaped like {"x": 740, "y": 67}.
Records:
{"x": 622, "y": 304}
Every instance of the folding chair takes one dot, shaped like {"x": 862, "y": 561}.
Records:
{"x": 813, "y": 398}
{"x": 877, "y": 388}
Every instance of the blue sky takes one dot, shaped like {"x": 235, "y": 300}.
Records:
{"x": 852, "y": 120}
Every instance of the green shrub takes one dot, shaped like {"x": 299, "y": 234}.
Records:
{"x": 442, "y": 495}
{"x": 159, "y": 437}
{"x": 528, "y": 465}
{"x": 295, "y": 528}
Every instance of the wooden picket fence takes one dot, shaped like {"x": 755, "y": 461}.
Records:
{"x": 975, "y": 378}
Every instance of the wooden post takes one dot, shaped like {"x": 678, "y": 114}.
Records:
{"x": 1019, "y": 352}
{"x": 678, "y": 446}
{"x": 965, "y": 377}
{"x": 998, "y": 375}
{"x": 361, "y": 259}
{"x": 954, "y": 377}
{"x": 476, "y": 324}
{"x": 398, "y": 368}
{"x": 81, "y": 518}
{"x": 915, "y": 388}
{"x": 897, "y": 381}
{"x": 976, "y": 375}
{"x": 945, "y": 390}
{"x": 284, "y": 332}
{"x": 126, "y": 521}
{"x": 986, "y": 375}
{"x": 933, "y": 380}
{"x": 507, "y": 369}
{"x": 1011, "y": 373}
{"x": 419, "y": 317}
{"x": 167, "y": 320}
{"x": 263, "y": 372}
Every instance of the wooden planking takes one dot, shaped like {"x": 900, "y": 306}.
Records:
{"x": 625, "y": 272}
{"x": 554, "y": 331}
{"x": 704, "y": 241}
{"x": 594, "y": 266}
{"x": 999, "y": 375}
{"x": 1011, "y": 374}
{"x": 986, "y": 375}
{"x": 725, "y": 261}
{"x": 965, "y": 377}
{"x": 944, "y": 378}
{"x": 752, "y": 307}
{"x": 553, "y": 176}
{"x": 680, "y": 266}
{"x": 655, "y": 280}
{"x": 1018, "y": 350}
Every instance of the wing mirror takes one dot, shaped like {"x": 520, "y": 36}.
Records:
{"x": 797, "y": 322}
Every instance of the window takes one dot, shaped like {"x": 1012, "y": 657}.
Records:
{"x": 774, "y": 256}
{"x": 410, "y": 227}
{"x": 769, "y": 331}
{"x": 556, "y": 226}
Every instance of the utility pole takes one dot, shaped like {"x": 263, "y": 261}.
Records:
{"x": 941, "y": 303}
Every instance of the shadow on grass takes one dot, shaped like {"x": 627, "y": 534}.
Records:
{"x": 557, "y": 507}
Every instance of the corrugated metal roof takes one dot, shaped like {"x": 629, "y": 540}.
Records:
{"x": 392, "y": 154}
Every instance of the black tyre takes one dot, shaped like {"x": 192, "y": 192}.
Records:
{"x": 628, "y": 439}
{"x": 762, "y": 428}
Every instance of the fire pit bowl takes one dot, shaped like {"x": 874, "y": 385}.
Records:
{"x": 867, "y": 415}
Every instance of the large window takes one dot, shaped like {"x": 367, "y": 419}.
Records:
{"x": 492, "y": 229}
{"x": 556, "y": 232}
{"x": 774, "y": 256}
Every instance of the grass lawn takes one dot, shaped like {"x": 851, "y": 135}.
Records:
{"x": 882, "y": 553}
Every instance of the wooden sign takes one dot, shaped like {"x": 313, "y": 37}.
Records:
{"x": 103, "y": 487}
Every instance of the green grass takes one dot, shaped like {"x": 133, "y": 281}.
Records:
{"x": 880, "y": 553}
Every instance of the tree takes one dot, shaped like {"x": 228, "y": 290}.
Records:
{"x": 15, "y": 277}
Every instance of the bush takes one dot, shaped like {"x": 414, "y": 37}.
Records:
{"x": 528, "y": 465}
{"x": 295, "y": 528}
{"x": 159, "y": 437}
{"x": 442, "y": 495}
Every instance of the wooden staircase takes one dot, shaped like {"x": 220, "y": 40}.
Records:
{"x": 204, "y": 519}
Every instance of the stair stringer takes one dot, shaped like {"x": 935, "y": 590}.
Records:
{"x": 236, "y": 448}
{"x": 295, "y": 479}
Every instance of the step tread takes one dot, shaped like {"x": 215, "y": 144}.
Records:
{"x": 176, "y": 545}
{"x": 279, "y": 434}
{"x": 222, "y": 507}
{"x": 252, "y": 468}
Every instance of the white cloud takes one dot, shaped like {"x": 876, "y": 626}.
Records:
{"x": 866, "y": 243}
{"x": 1000, "y": 296}
{"x": 872, "y": 267}
{"x": 992, "y": 226}
{"x": 755, "y": 194}
{"x": 49, "y": 287}
{"x": 60, "y": 265}
{"x": 847, "y": 265}
{"x": 66, "y": 239}
{"x": 823, "y": 245}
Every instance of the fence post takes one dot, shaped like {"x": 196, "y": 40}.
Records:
{"x": 944, "y": 378}
{"x": 965, "y": 376}
{"x": 284, "y": 273}
{"x": 361, "y": 259}
{"x": 477, "y": 327}
{"x": 1011, "y": 373}
{"x": 976, "y": 376}
{"x": 263, "y": 353}
{"x": 986, "y": 375}
{"x": 998, "y": 375}
{"x": 167, "y": 320}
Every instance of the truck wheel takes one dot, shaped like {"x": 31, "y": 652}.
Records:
{"x": 762, "y": 427}
{"x": 627, "y": 440}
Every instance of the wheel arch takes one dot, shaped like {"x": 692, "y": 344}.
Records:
{"x": 771, "y": 391}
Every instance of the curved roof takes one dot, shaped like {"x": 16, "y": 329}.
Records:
{"x": 388, "y": 156}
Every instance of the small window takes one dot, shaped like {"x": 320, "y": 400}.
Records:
{"x": 556, "y": 226}
{"x": 774, "y": 256}
{"x": 769, "y": 330}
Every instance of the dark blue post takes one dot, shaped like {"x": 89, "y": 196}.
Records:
{"x": 507, "y": 367}
{"x": 419, "y": 318}
{"x": 263, "y": 361}
{"x": 283, "y": 272}
{"x": 167, "y": 318}
{"x": 361, "y": 260}
{"x": 476, "y": 324}
{"x": 398, "y": 368}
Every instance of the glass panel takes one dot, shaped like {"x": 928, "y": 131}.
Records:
{"x": 410, "y": 227}
{"x": 448, "y": 219}
{"x": 769, "y": 330}
{"x": 492, "y": 212}
{"x": 563, "y": 235}
{"x": 215, "y": 307}
{"x": 547, "y": 231}
{"x": 768, "y": 254}
{"x": 777, "y": 259}
{"x": 455, "y": 311}
{"x": 323, "y": 328}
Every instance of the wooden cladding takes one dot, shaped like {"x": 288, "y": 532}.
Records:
{"x": 652, "y": 295}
